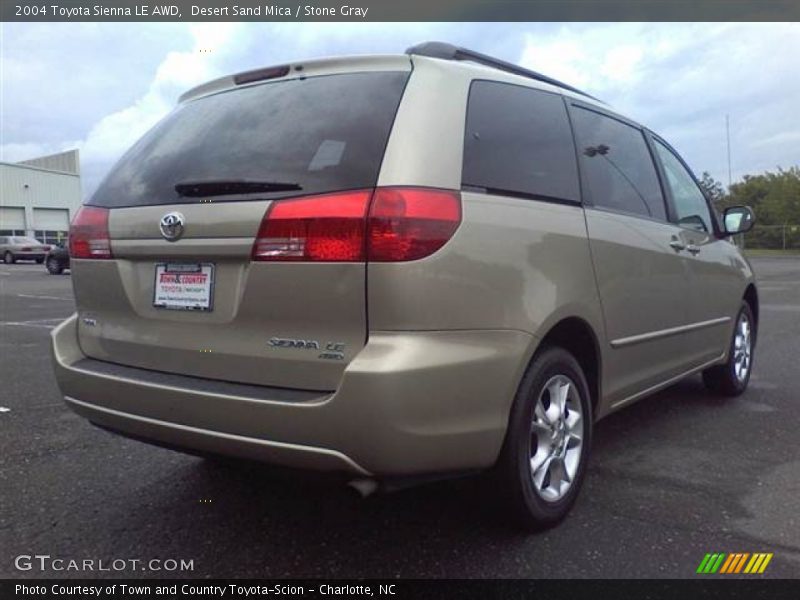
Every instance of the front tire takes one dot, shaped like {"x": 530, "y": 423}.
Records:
{"x": 8, "y": 258}
{"x": 543, "y": 461}
{"x": 732, "y": 377}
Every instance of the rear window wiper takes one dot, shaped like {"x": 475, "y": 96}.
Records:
{"x": 221, "y": 187}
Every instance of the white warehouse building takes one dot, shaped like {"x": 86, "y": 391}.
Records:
{"x": 39, "y": 197}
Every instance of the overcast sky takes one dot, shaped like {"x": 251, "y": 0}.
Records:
{"x": 99, "y": 87}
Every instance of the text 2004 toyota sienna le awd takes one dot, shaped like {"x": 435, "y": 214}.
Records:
{"x": 398, "y": 266}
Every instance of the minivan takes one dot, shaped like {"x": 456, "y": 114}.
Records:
{"x": 399, "y": 268}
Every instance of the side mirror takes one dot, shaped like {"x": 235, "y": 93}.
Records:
{"x": 738, "y": 219}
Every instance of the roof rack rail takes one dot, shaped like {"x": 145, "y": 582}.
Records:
{"x": 450, "y": 52}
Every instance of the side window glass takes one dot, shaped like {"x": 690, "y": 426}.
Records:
{"x": 691, "y": 207}
{"x": 518, "y": 140}
{"x": 618, "y": 166}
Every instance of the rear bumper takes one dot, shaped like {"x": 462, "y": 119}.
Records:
{"x": 408, "y": 404}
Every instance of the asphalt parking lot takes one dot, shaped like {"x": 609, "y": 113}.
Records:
{"x": 673, "y": 477}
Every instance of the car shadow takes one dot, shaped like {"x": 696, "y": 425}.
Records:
{"x": 241, "y": 519}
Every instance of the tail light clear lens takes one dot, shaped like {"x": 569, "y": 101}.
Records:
{"x": 328, "y": 228}
{"x": 411, "y": 223}
{"x": 391, "y": 224}
{"x": 88, "y": 233}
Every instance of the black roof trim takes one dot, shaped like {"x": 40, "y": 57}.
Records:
{"x": 447, "y": 51}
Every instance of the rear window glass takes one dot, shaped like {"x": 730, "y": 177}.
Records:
{"x": 518, "y": 141}
{"x": 322, "y": 134}
{"x": 25, "y": 240}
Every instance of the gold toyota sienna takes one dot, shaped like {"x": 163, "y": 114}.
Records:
{"x": 400, "y": 267}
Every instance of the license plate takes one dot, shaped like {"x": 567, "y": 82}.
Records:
{"x": 181, "y": 286}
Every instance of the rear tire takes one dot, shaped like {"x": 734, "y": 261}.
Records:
{"x": 543, "y": 461}
{"x": 39, "y": 261}
{"x": 8, "y": 258}
{"x": 53, "y": 266}
{"x": 731, "y": 378}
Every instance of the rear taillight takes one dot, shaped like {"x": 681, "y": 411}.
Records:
{"x": 391, "y": 224}
{"x": 411, "y": 223}
{"x": 327, "y": 228}
{"x": 88, "y": 233}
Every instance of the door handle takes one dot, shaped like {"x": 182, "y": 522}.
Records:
{"x": 693, "y": 249}
{"x": 677, "y": 245}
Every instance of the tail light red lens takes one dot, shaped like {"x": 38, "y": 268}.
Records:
{"x": 411, "y": 223}
{"x": 391, "y": 224}
{"x": 88, "y": 233}
{"x": 326, "y": 228}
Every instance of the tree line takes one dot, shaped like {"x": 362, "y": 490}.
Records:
{"x": 775, "y": 199}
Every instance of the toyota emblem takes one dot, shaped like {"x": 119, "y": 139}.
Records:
{"x": 171, "y": 226}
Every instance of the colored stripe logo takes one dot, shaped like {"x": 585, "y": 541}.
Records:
{"x": 734, "y": 563}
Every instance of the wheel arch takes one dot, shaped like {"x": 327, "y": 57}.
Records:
{"x": 576, "y": 336}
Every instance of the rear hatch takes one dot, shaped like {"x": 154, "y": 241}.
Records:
{"x": 286, "y": 311}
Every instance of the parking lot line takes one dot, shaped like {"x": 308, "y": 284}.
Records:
{"x": 36, "y": 323}
{"x": 20, "y": 269}
{"x": 43, "y": 297}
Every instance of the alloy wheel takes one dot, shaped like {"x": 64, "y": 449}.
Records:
{"x": 556, "y": 438}
{"x": 742, "y": 347}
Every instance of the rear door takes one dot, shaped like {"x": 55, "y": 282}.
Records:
{"x": 642, "y": 274}
{"x": 199, "y": 304}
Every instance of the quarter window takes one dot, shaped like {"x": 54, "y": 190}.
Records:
{"x": 518, "y": 141}
{"x": 691, "y": 208}
{"x": 617, "y": 165}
